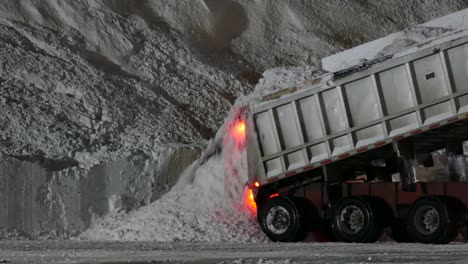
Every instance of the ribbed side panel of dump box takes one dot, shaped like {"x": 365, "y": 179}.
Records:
{"x": 401, "y": 95}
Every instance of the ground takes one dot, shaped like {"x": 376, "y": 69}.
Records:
{"x": 147, "y": 252}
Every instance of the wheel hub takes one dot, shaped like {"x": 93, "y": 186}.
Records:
{"x": 278, "y": 220}
{"x": 428, "y": 220}
{"x": 352, "y": 219}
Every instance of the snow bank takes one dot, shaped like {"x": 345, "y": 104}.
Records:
{"x": 82, "y": 83}
{"x": 90, "y": 81}
{"x": 269, "y": 34}
{"x": 199, "y": 211}
{"x": 39, "y": 203}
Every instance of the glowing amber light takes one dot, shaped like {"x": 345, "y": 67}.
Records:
{"x": 239, "y": 130}
{"x": 249, "y": 201}
{"x": 257, "y": 184}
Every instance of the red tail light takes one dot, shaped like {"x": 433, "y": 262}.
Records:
{"x": 274, "y": 195}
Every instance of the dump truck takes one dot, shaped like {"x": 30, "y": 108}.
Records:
{"x": 341, "y": 152}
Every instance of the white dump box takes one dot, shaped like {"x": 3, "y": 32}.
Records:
{"x": 371, "y": 105}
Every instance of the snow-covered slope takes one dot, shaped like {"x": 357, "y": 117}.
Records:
{"x": 86, "y": 80}
{"x": 271, "y": 33}
{"x": 77, "y": 78}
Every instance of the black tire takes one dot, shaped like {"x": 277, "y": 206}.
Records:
{"x": 281, "y": 220}
{"x": 432, "y": 221}
{"x": 357, "y": 219}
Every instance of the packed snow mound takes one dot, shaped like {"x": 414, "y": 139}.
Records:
{"x": 271, "y": 33}
{"x": 85, "y": 81}
{"x": 81, "y": 84}
{"x": 192, "y": 213}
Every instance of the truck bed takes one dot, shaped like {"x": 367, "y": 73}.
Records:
{"x": 371, "y": 107}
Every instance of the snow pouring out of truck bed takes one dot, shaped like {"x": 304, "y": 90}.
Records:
{"x": 207, "y": 204}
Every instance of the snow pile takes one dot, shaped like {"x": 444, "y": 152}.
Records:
{"x": 274, "y": 33}
{"x": 83, "y": 82}
{"x": 207, "y": 204}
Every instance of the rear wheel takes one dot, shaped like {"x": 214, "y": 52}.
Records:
{"x": 281, "y": 220}
{"x": 431, "y": 221}
{"x": 357, "y": 219}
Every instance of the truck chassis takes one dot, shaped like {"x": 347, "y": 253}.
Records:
{"x": 359, "y": 210}
{"x": 341, "y": 156}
